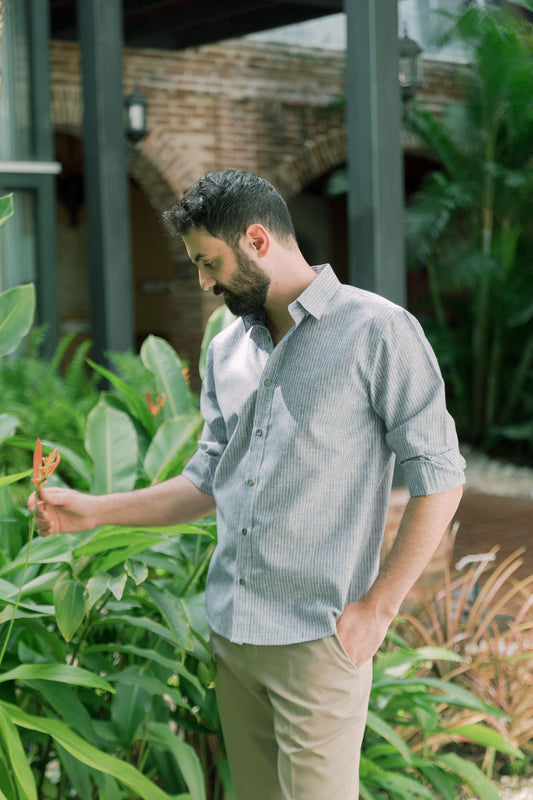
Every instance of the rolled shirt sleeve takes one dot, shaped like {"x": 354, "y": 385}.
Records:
{"x": 200, "y": 470}
{"x": 407, "y": 392}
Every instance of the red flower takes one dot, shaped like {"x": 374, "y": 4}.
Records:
{"x": 156, "y": 406}
{"x": 43, "y": 466}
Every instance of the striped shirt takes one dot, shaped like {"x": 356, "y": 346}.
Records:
{"x": 298, "y": 451}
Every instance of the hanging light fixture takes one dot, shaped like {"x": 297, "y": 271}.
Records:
{"x": 136, "y": 117}
{"x": 410, "y": 70}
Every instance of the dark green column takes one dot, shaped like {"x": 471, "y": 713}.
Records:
{"x": 375, "y": 164}
{"x": 106, "y": 183}
{"x": 44, "y": 184}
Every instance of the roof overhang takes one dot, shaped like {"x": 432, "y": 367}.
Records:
{"x": 177, "y": 24}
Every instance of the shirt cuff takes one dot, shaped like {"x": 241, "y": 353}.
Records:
{"x": 433, "y": 474}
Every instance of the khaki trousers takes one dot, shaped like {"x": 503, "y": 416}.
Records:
{"x": 293, "y": 718}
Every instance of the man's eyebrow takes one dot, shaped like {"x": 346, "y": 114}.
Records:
{"x": 198, "y": 257}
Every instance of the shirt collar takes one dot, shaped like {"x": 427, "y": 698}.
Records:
{"x": 317, "y": 296}
{"x": 313, "y": 300}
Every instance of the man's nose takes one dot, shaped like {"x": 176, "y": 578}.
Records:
{"x": 206, "y": 281}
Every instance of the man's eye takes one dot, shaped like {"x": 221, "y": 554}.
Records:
{"x": 208, "y": 264}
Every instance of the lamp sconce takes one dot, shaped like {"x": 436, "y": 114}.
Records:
{"x": 410, "y": 71}
{"x": 135, "y": 117}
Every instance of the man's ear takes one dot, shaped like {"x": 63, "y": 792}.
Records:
{"x": 257, "y": 237}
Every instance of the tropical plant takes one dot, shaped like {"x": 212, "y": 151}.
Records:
{"x": 484, "y": 615}
{"x": 103, "y": 638}
{"x": 469, "y": 227}
{"x": 413, "y": 722}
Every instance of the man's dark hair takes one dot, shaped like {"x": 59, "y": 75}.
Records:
{"x": 226, "y": 203}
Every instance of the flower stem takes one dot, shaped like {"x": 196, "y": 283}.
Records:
{"x": 15, "y": 609}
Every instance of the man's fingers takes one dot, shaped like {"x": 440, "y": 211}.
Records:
{"x": 41, "y": 520}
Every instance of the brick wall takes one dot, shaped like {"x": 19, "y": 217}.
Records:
{"x": 254, "y": 105}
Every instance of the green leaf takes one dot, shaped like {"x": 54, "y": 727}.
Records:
{"x": 185, "y": 755}
{"x": 137, "y": 405}
{"x": 44, "y": 551}
{"x": 169, "y": 439}
{"x": 6, "y": 480}
{"x": 440, "y": 780}
{"x": 78, "y": 774}
{"x": 219, "y": 319}
{"x": 175, "y": 613}
{"x": 379, "y": 726}
{"x": 96, "y": 587}
{"x": 8, "y": 425}
{"x": 487, "y": 737}
{"x": 128, "y": 710}
{"x": 150, "y": 655}
{"x": 111, "y": 441}
{"x": 132, "y": 677}
{"x": 69, "y": 602}
{"x": 143, "y": 623}
{"x": 448, "y": 693}
{"x": 396, "y": 662}
{"x": 6, "y": 208}
{"x": 62, "y": 673}
{"x": 86, "y": 753}
{"x": 64, "y": 700}
{"x": 470, "y": 773}
{"x": 137, "y": 571}
{"x": 18, "y": 763}
{"x": 164, "y": 363}
{"x": 113, "y": 537}
{"x": 17, "y": 307}
{"x": 5, "y": 780}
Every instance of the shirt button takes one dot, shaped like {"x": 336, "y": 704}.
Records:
{"x": 244, "y": 531}
{"x": 242, "y": 581}
{"x": 250, "y": 482}
{"x": 259, "y": 432}
{"x": 267, "y": 382}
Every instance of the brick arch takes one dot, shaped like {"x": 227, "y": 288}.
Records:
{"x": 160, "y": 168}
{"x": 313, "y": 161}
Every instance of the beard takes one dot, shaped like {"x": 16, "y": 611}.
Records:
{"x": 245, "y": 294}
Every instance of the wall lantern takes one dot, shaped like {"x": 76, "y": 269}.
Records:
{"x": 135, "y": 117}
{"x": 410, "y": 70}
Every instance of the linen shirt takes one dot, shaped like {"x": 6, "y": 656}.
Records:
{"x": 298, "y": 451}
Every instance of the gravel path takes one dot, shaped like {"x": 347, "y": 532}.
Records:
{"x": 484, "y": 474}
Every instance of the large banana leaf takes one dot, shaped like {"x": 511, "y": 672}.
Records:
{"x": 111, "y": 441}
{"x": 17, "y": 307}
{"x": 163, "y": 362}
{"x": 169, "y": 439}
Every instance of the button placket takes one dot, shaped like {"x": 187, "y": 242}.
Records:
{"x": 251, "y": 477}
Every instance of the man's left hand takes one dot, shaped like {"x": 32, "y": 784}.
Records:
{"x": 361, "y": 630}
